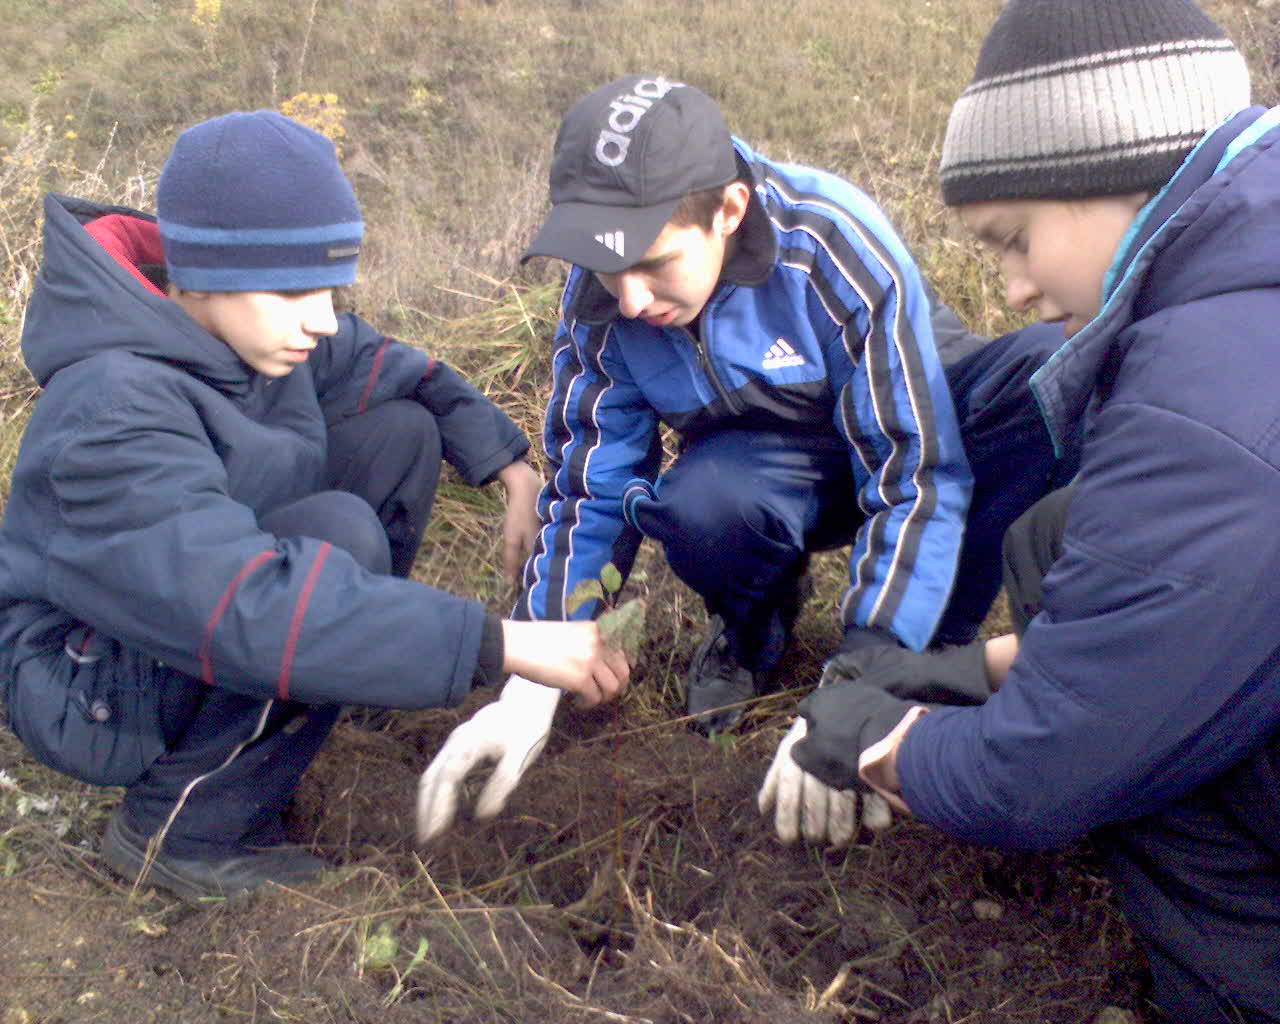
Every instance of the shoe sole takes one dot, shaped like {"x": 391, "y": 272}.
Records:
{"x": 127, "y": 860}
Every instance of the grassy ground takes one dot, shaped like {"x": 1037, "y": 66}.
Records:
{"x": 631, "y": 878}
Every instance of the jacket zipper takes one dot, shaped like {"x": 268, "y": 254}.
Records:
{"x": 704, "y": 359}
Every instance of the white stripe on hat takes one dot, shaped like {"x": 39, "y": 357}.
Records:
{"x": 614, "y": 241}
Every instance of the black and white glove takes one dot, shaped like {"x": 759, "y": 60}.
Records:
{"x": 802, "y": 804}
{"x": 842, "y": 720}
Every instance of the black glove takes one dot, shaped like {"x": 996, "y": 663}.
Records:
{"x": 867, "y": 638}
{"x": 843, "y": 719}
{"x": 862, "y": 649}
{"x": 949, "y": 675}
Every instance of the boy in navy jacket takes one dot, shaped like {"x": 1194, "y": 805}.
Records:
{"x": 218, "y": 501}
{"x": 1107, "y": 154}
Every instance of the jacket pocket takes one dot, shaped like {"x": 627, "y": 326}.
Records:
{"x": 90, "y": 710}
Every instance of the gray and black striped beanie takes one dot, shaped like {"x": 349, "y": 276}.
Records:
{"x": 1076, "y": 98}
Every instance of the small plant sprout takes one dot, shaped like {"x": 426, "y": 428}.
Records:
{"x": 621, "y": 625}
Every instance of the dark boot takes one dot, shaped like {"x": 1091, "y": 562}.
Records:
{"x": 125, "y": 852}
{"x": 718, "y": 687}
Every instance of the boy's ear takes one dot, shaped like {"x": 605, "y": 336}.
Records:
{"x": 733, "y": 208}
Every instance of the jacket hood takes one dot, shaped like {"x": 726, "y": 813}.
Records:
{"x": 1223, "y": 202}
{"x": 91, "y": 296}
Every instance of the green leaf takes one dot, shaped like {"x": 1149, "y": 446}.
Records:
{"x": 419, "y": 956}
{"x": 611, "y": 578}
{"x": 623, "y": 627}
{"x": 587, "y": 590}
{"x": 397, "y": 990}
{"x": 725, "y": 743}
{"x": 380, "y": 948}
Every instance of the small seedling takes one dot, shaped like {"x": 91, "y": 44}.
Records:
{"x": 378, "y": 950}
{"x": 397, "y": 990}
{"x": 621, "y": 625}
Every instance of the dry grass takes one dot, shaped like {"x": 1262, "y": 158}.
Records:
{"x": 630, "y": 879}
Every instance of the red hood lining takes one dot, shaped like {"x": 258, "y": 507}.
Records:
{"x": 131, "y": 242}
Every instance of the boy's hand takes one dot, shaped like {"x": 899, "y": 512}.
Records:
{"x": 802, "y": 803}
{"x": 567, "y": 655}
{"x": 511, "y": 731}
{"x": 947, "y": 675}
{"x": 520, "y": 527}
{"x": 844, "y": 719}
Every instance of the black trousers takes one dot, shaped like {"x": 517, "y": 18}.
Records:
{"x": 1199, "y": 881}
{"x": 740, "y": 510}
{"x": 233, "y": 762}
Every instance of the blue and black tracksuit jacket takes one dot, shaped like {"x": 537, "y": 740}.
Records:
{"x": 820, "y": 325}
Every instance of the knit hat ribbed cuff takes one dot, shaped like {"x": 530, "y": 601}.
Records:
{"x": 265, "y": 260}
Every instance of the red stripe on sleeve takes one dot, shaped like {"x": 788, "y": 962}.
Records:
{"x": 299, "y": 613}
{"x": 373, "y": 376}
{"x": 206, "y": 647}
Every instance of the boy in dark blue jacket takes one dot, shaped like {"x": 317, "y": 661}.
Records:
{"x": 770, "y": 316}
{"x": 1107, "y": 153}
{"x": 218, "y": 501}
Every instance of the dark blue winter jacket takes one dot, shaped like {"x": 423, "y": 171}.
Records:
{"x": 1155, "y": 663}
{"x": 152, "y": 452}
{"x": 821, "y": 324}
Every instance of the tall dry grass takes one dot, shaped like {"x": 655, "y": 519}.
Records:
{"x": 448, "y": 107}
{"x": 445, "y": 111}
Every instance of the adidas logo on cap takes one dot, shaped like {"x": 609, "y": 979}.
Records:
{"x": 614, "y": 241}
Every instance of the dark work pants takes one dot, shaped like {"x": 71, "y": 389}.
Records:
{"x": 234, "y": 761}
{"x": 740, "y": 510}
{"x": 1199, "y": 881}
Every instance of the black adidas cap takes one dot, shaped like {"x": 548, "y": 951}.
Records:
{"x": 625, "y": 156}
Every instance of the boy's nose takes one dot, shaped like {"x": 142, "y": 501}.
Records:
{"x": 319, "y": 319}
{"x": 1019, "y": 292}
{"x": 633, "y": 295}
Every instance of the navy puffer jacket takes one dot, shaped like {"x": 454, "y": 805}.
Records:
{"x": 153, "y": 451}
{"x": 1155, "y": 664}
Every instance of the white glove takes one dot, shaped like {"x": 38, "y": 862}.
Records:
{"x": 801, "y": 803}
{"x": 511, "y": 730}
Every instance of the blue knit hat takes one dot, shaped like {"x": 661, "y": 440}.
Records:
{"x": 257, "y": 202}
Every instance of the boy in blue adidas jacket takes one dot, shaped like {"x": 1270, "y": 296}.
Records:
{"x": 770, "y": 316}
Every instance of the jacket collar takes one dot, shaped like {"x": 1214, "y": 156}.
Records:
{"x": 1063, "y": 386}
{"x": 87, "y": 301}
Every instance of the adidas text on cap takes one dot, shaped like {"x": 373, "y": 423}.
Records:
{"x": 625, "y": 156}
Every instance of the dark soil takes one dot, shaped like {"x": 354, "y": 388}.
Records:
{"x": 630, "y": 879}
